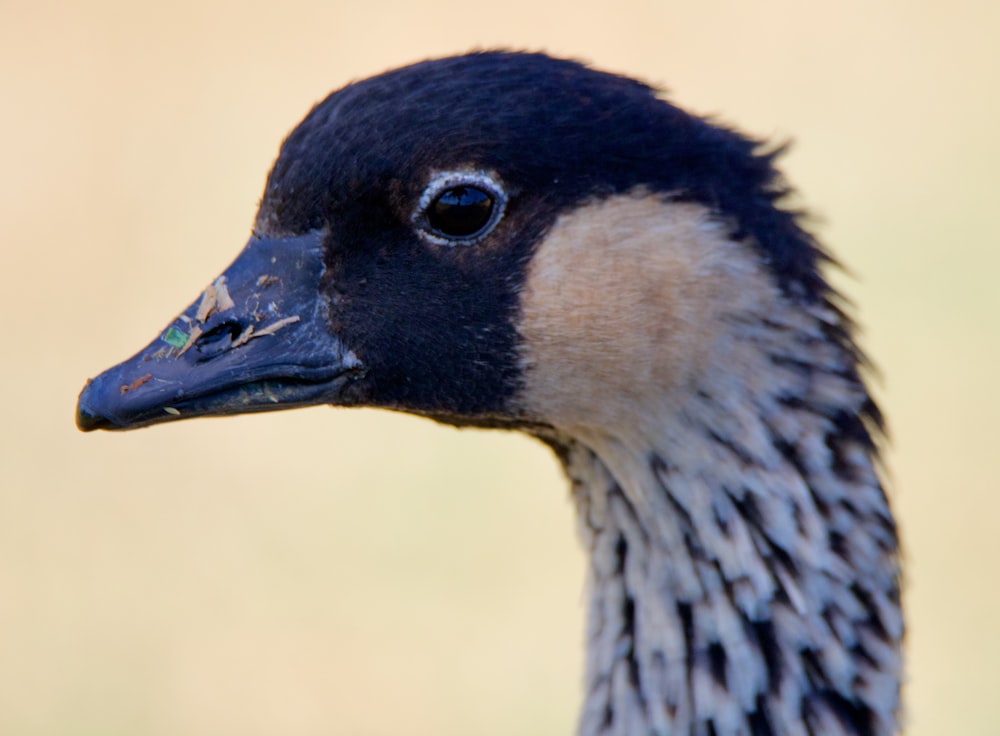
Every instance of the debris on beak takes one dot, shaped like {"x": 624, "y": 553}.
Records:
{"x": 257, "y": 339}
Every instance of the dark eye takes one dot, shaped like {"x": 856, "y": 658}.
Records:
{"x": 459, "y": 207}
{"x": 460, "y": 212}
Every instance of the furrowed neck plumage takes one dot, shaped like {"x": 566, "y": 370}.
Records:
{"x": 744, "y": 572}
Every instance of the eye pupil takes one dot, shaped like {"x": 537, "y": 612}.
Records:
{"x": 460, "y": 211}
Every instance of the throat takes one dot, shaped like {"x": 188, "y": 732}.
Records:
{"x": 743, "y": 578}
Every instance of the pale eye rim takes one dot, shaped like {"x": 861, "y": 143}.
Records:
{"x": 439, "y": 183}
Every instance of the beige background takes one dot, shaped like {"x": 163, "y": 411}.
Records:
{"x": 350, "y": 572}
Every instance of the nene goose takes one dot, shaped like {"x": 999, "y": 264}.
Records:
{"x": 513, "y": 241}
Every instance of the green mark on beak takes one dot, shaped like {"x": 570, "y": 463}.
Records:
{"x": 175, "y": 338}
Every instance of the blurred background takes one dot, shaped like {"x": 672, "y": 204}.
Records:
{"x": 353, "y": 572}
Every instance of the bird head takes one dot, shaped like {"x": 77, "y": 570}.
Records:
{"x": 496, "y": 239}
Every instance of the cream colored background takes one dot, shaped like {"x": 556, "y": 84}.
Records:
{"x": 350, "y": 572}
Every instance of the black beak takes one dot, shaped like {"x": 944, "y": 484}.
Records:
{"x": 257, "y": 339}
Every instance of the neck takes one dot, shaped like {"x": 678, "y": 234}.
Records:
{"x": 744, "y": 574}
{"x": 744, "y": 571}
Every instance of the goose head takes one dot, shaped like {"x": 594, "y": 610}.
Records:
{"x": 514, "y": 241}
{"x": 391, "y": 261}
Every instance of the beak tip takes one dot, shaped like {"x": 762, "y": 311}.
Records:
{"x": 88, "y": 420}
{"x": 89, "y": 416}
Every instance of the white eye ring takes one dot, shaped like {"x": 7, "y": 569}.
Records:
{"x": 440, "y": 183}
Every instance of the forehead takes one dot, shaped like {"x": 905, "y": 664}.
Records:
{"x": 476, "y": 105}
{"x": 539, "y": 122}
{"x": 553, "y": 130}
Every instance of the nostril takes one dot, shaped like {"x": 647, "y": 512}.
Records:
{"x": 218, "y": 339}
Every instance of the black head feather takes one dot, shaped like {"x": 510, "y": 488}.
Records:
{"x": 553, "y": 129}
{"x": 435, "y": 326}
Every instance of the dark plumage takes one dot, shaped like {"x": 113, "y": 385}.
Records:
{"x": 516, "y": 241}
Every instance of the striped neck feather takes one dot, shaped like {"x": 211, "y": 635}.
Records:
{"x": 744, "y": 570}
